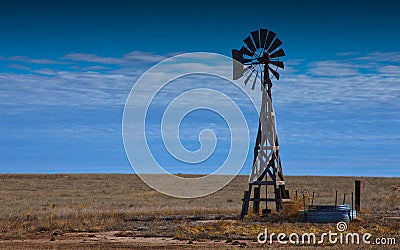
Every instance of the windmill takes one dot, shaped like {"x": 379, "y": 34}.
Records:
{"x": 260, "y": 57}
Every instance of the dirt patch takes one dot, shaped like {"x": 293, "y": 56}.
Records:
{"x": 114, "y": 240}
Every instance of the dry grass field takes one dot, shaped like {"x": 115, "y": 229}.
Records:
{"x": 102, "y": 211}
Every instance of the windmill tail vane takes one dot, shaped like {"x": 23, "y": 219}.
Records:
{"x": 260, "y": 57}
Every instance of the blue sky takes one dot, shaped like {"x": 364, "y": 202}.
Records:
{"x": 66, "y": 69}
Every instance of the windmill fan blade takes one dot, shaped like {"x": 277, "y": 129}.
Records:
{"x": 278, "y": 53}
{"x": 275, "y": 45}
{"x": 254, "y": 82}
{"x": 276, "y": 74}
{"x": 248, "y": 78}
{"x": 245, "y": 60}
{"x": 245, "y": 51}
{"x": 250, "y": 44}
{"x": 278, "y": 64}
{"x": 270, "y": 37}
{"x": 263, "y": 37}
{"x": 256, "y": 38}
{"x": 237, "y": 55}
{"x": 245, "y": 70}
{"x": 238, "y": 68}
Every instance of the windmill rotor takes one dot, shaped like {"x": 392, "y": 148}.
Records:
{"x": 262, "y": 47}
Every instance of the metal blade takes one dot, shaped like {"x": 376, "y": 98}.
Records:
{"x": 245, "y": 60}
{"x": 250, "y": 44}
{"x": 238, "y": 68}
{"x": 263, "y": 36}
{"x": 255, "y": 80}
{"x": 276, "y": 74}
{"x": 237, "y": 55}
{"x": 275, "y": 45}
{"x": 278, "y": 64}
{"x": 245, "y": 51}
{"x": 270, "y": 37}
{"x": 278, "y": 53}
{"x": 248, "y": 78}
{"x": 256, "y": 38}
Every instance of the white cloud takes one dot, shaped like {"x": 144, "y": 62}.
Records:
{"x": 328, "y": 92}
{"x": 134, "y": 57}
{"x": 33, "y": 60}
{"x": 332, "y": 68}
{"x": 381, "y": 57}
{"x": 18, "y": 66}
{"x": 143, "y": 57}
{"x": 64, "y": 88}
{"x": 45, "y": 71}
{"x": 335, "y": 82}
{"x": 97, "y": 67}
{"x": 390, "y": 70}
{"x": 349, "y": 53}
{"x": 83, "y": 57}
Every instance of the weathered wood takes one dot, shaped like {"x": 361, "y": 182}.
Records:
{"x": 357, "y": 195}
{"x": 256, "y": 200}
{"x": 262, "y": 199}
{"x": 271, "y": 183}
{"x": 266, "y": 211}
{"x": 351, "y": 206}
{"x": 287, "y": 194}
{"x": 336, "y": 200}
{"x": 245, "y": 204}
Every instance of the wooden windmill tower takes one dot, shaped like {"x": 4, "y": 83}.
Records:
{"x": 261, "y": 57}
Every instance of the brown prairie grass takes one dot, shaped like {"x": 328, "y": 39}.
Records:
{"x": 100, "y": 202}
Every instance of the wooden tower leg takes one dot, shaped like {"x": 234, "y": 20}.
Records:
{"x": 256, "y": 202}
{"x": 245, "y": 202}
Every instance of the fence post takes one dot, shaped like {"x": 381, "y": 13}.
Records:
{"x": 358, "y": 195}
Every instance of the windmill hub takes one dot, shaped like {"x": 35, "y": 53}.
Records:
{"x": 260, "y": 58}
{"x": 264, "y": 59}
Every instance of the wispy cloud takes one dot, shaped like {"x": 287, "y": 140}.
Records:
{"x": 348, "y": 53}
{"x": 18, "y": 66}
{"x": 45, "y": 71}
{"x": 390, "y": 70}
{"x": 332, "y": 68}
{"x": 381, "y": 57}
{"x": 351, "y": 100}
{"x": 83, "y": 57}
{"x": 134, "y": 57}
{"x": 49, "y": 87}
{"x": 143, "y": 57}
{"x": 94, "y": 68}
{"x": 26, "y": 59}
{"x": 131, "y": 58}
{"x": 335, "y": 81}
